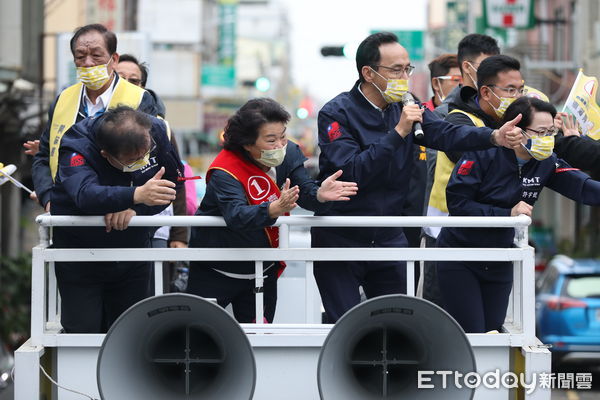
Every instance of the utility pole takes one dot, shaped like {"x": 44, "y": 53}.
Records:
{"x": 21, "y": 26}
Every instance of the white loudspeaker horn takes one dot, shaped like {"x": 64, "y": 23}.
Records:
{"x": 377, "y": 348}
{"x": 176, "y": 346}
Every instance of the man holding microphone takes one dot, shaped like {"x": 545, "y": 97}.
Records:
{"x": 369, "y": 134}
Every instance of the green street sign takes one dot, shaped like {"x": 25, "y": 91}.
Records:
{"x": 218, "y": 75}
{"x": 413, "y": 42}
{"x": 503, "y": 14}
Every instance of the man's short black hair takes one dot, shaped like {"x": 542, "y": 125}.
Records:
{"x": 124, "y": 131}
{"x": 142, "y": 66}
{"x": 487, "y": 73}
{"x": 368, "y": 50}
{"x": 242, "y": 128}
{"x": 110, "y": 39}
{"x": 526, "y": 106}
{"x": 475, "y": 44}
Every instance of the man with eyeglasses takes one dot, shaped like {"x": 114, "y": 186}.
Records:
{"x": 501, "y": 182}
{"x": 94, "y": 50}
{"x": 472, "y": 50}
{"x": 500, "y": 83}
{"x": 135, "y": 72}
{"x": 368, "y": 134}
{"x": 119, "y": 165}
{"x": 444, "y": 76}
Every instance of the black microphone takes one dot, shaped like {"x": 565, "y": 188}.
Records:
{"x": 407, "y": 99}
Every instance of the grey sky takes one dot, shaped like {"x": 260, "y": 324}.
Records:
{"x": 315, "y": 23}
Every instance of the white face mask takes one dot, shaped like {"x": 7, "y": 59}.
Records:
{"x": 272, "y": 158}
{"x": 471, "y": 76}
{"x": 440, "y": 93}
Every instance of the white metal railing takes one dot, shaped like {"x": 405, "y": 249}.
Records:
{"x": 519, "y": 324}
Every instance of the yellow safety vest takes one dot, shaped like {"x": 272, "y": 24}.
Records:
{"x": 67, "y": 107}
{"x": 443, "y": 170}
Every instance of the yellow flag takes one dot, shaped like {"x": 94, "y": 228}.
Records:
{"x": 538, "y": 94}
{"x": 582, "y": 104}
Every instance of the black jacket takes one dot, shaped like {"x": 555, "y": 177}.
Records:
{"x": 225, "y": 196}
{"x": 468, "y": 101}
{"x": 491, "y": 183}
{"x": 86, "y": 184}
{"x": 581, "y": 152}
{"x": 360, "y": 140}
{"x": 42, "y": 179}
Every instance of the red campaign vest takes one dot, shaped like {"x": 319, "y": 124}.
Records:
{"x": 258, "y": 186}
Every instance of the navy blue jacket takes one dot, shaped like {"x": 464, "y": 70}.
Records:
{"x": 491, "y": 183}
{"x": 86, "y": 184}
{"x": 225, "y": 196}
{"x": 42, "y": 179}
{"x": 581, "y": 152}
{"x": 361, "y": 140}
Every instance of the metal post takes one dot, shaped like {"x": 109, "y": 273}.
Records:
{"x": 528, "y": 295}
{"x": 537, "y": 360}
{"x": 517, "y": 294}
{"x": 522, "y": 236}
{"x": 259, "y": 289}
{"x": 158, "y": 278}
{"x": 284, "y": 236}
{"x": 52, "y": 294}
{"x": 44, "y": 233}
{"x": 308, "y": 292}
{"x": 38, "y": 294}
{"x": 27, "y": 371}
{"x": 410, "y": 278}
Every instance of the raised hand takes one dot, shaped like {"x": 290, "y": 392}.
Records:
{"x": 32, "y": 147}
{"x": 570, "y": 126}
{"x": 333, "y": 190}
{"x": 155, "y": 192}
{"x": 509, "y": 135}
{"x": 286, "y": 202}
{"x": 411, "y": 113}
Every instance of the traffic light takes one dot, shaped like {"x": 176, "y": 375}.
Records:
{"x": 302, "y": 113}
{"x": 332, "y": 51}
{"x": 263, "y": 84}
{"x": 347, "y": 50}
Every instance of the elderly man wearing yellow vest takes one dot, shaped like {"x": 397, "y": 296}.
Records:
{"x": 94, "y": 50}
{"x": 499, "y": 83}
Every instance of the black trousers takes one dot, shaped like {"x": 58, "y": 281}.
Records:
{"x": 476, "y": 294}
{"x": 240, "y": 293}
{"x": 431, "y": 290}
{"x": 95, "y": 294}
{"x": 339, "y": 282}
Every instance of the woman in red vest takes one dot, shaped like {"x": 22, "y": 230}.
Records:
{"x": 243, "y": 186}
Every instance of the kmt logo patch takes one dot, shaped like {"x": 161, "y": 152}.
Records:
{"x": 465, "y": 167}
{"x": 333, "y": 131}
{"x": 77, "y": 160}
